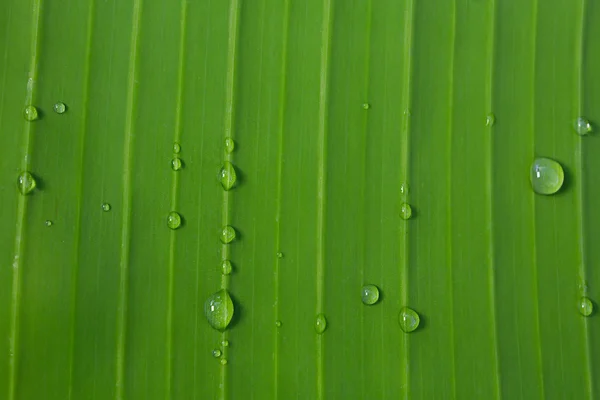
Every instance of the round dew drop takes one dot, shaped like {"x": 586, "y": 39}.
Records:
{"x": 225, "y": 343}
{"x": 223, "y": 361}
{"x": 60, "y": 107}
{"x": 226, "y": 267}
{"x": 30, "y": 113}
{"x": 366, "y": 106}
{"x": 408, "y": 319}
{"x": 26, "y": 183}
{"x": 176, "y": 164}
{"x": 405, "y": 211}
{"x": 48, "y": 223}
{"x": 176, "y": 148}
{"x": 106, "y": 207}
{"x": 218, "y": 309}
{"x": 174, "y": 220}
{"x": 582, "y": 126}
{"x": 369, "y": 294}
{"x": 229, "y": 145}
{"x": 546, "y": 176}
{"x": 216, "y": 353}
{"x": 227, "y": 234}
{"x": 320, "y": 323}
{"x": 586, "y": 307}
{"x": 278, "y": 323}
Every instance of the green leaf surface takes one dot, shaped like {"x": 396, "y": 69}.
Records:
{"x": 340, "y": 112}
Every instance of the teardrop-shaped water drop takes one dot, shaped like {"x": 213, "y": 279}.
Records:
{"x": 26, "y": 183}
{"x": 227, "y": 175}
{"x": 582, "y": 126}
{"x": 176, "y": 148}
{"x": 226, "y": 267}
{"x": 229, "y": 145}
{"x": 174, "y": 220}
{"x": 408, "y": 319}
{"x": 227, "y": 234}
{"x": 320, "y": 323}
{"x": 369, "y": 294}
{"x": 546, "y": 176}
{"x": 586, "y": 307}
{"x": 490, "y": 120}
{"x": 405, "y": 211}
{"x": 176, "y": 164}
{"x": 218, "y": 309}
{"x": 30, "y": 113}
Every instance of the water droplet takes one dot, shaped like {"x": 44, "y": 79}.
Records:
{"x": 225, "y": 343}
{"x": 174, "y": 220}
{"x": 404, "y": 188}
{"x": 490, "y": 120}
{"x": 31, "y": 113}
{"x": 26, "y": 183}
{"x": 546, "y": 176}
{"x": 370, "y": 294}
{"x": 278, "y": 323}
{"x": 279, "y": 254}
{"x": 218, "y": 309}
{"x": 176, "y": 148}
{"x": 585, "y": 306}
{"x": 226, "y": 267}
{"x": 216, "y": 353}
{"x": 229, "y": 145}
{"x": 320, "y": 323}
{"x": 106, "y": 207}
{"x": 227, "y": 234}
{"x": 60, "y": 107}
{"x": 227, "y": 175}
{"x": 582, "y": 126}
{"x": 366, "y": 106}
{"x": 405, "y": 211}
{"x": 408, "y": 319}
{"x": 48, "y": 223}
{"x": 223, "y": 361}
{"x": 176, "y": 164}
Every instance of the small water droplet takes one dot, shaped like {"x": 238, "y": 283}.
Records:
{"x": 225, "y": 343}
{"x": 320, "y": 323}
{"x": 278, "y": 323}
{"x": 490, "y": 120}
{"x": 408, "y": 319}
{"x": 226, "y": 267}
{"x": 404, "y": 188}
{"x": 279, "y": 254}
{"x": 407, "y": 112}
{"x": 106, "y": 207}
{"x": 176, "y": 164}
{"x": 582, "y": 126}
{"x": 227, "y": 175}
{"x": 60, "y": 107}
{"x": 26, "y": 183}
{"x": 370, "y": 294}
{"x": 546, "y": 176}
{"x": 229, "y": 145}
{"x": 218, "y": 309}
{"x": 366, "y": 106}
{"x": 176, "y": 148}
{"x": 30, "y": 113}
{"x": 223, "y": 361}
{"x": 585, "y": 306}
{"x": 227, "y": 234}
{"x": 405, "y": 211}
{"x": 216, "y": 353}
{"x": 173, "y": 220}
{"x": 48, "y": 223}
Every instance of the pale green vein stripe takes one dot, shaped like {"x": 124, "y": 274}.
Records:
{"x": 322, "y": 176}
{"x": 174, "y": 196}
{"x": 126, "y": 221}
{"x": 491, "y": 45}
{"x": 449, "y": 189}
{"x": 282, "y": 109}
{"x": 230, "y": 83}
{"x": 580, "y": 48}
{"x": 533, "y": 227}
{"x": 22, "y": 206}
{"x": 409, "y": 18}
{"x": 84, "y": 119}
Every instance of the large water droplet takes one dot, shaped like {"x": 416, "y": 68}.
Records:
{"x": 369, "y": 294}
{"x": 582, "y": 126}
{"x": 490, "y": 120}
{"x": 26, "y": 182}
{"x": 405, "y": 211}
{"x": 408, "y": 319}
{"x": 546, "y": 175}
{"x": 227, "y": 234}
{"x": 173, "y": 220}
{"x": 218, "y": 309}
{"x": 30, "y": 113}
{"x": 176, "y": 148}
{"x": 585, "y": 306}
{"x": 60, "y": 107}
{"x": 227, "y": 175}
{"x": 216, "y": 353}
{"x": 229, "y": 145}
{"x": 176, "y": 164}
{"x": 106, "y": 207}
{"x": 320, "y": 323}
{"x": 226, "y": 267}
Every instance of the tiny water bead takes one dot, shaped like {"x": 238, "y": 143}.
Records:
{"x": 227, "y": 175}
{"x": 490, "y": 120}
{"x": 405, "y": 211}
{"x": 227, "y": 234}
{"x": 229, "y": 145}
{"x": 223, "y": 361}
{"x": 278, "y": 323}
{"x": 176, "y": 148}
{"x": 225, "y": 343}
{"x": 30, "y": 113}
{"x": 216, "y": 353}
{"x": 585, "y": 306}
{"x": 60, "y": 107}
{"x": 582, "y": 126}
{"x": 404, "y": 188}
{"x": 320, "y": 323}
{"x": 226, "y": 267}
{"x": 26, "y": 183}
{"x": 48, "y": 223}
{"x": 173, "y": 220}
{"x": 106, "y": 207}
{"x": 279, "y": 254}
{"x": 366, "y": 106}
{"x": 408, "y": 319}
{"x": 369, "y": 294}
{"x": 176, "y": 164}
{"x": 218, "y": 309}
{"x": 546, "y": 175}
